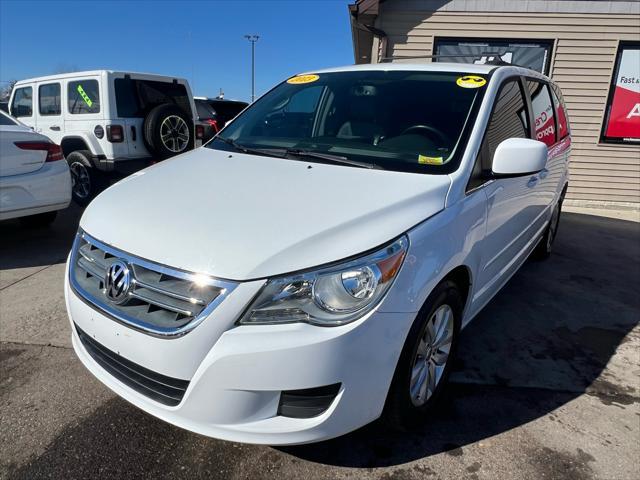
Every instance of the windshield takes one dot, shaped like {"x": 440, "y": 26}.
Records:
{"x": 409, "y": 121}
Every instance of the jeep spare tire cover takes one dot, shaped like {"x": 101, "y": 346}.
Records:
{"x": 167, "y": 131}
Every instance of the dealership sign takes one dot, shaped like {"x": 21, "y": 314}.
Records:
{"x": 622, "y": 123}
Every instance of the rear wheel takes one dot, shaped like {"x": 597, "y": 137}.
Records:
{"x": 425, "y": 362}
{"x": 86, "y": 181}
{"x": 543, "y": 249}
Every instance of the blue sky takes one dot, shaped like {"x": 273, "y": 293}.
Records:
{"x": 200, "y": 40}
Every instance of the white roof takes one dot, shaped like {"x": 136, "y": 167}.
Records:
{"x": 427, "y": 67}
{"x": 94, "y": 73}
{"x": 481, "y": 69}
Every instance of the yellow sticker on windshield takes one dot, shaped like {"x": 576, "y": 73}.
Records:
{"x": 470, "y": 81}
{"x": 423, "y": 159}
{"x": 303, "y": 79}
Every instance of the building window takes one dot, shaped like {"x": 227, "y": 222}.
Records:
{"x": 49, "y": 99}
{"x": 533, "y": 54}
{"x": 622, "y": 114}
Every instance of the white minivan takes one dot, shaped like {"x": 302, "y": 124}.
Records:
{"x": 310, "y": 269}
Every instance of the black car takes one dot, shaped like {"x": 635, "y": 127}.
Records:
{"x": 226, "y": 110}
{"x": 208, "y": 118}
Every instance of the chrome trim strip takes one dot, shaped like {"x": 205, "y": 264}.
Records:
{"x": 196, "y": 301}
{"x": 160, "y": 304}
{"x": 226, "y": 288}
{"x": 90, "y": 270}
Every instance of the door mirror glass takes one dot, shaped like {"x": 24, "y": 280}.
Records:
{"x": 519, "y": 156}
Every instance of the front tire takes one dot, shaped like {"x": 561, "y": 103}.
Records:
{"x": 425, "y": 362}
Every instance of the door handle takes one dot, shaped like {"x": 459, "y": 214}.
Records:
{"x": 133, "y": 133}
{"x": 533, "y": 181}
{"x": 543, "y": 173}
{"x": 54, "y": 127}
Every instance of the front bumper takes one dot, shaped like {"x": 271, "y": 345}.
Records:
{"x": 236, "y": 374}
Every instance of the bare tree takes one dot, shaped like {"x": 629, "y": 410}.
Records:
{"x": 66, "y": 68}
{"x": 5, "y": 91}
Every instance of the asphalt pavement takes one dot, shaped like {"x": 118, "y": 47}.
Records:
{"x": 547, "y": 384}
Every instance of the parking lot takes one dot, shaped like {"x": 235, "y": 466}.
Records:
{"x": 546, "y": 385}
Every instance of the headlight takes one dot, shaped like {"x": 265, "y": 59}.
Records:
{"x": 329, "y": 296}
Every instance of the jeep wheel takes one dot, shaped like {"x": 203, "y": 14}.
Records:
{"x": 86, "y": 182}
{"x": 167, "y": 131}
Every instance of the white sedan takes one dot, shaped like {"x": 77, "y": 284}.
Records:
{"x": 34, "y": 177}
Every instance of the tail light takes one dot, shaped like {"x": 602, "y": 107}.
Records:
{"x": 199, "y": 132}
{"x": 115, "y": 133}
{"x": 214, "y": 124}
{"x": 54, "y": 152}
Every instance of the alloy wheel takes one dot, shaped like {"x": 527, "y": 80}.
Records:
{"x": 431, "y": 355}
{"x": 80, "y": 180}
{"x": 174, "y": 133}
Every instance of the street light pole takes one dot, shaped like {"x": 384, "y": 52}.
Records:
{"x": 253, "y": 39}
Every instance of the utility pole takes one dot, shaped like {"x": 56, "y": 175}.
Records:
{"x": 253, "y": 39}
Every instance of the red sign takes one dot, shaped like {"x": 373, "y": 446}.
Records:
{"x": 623, "y": 122}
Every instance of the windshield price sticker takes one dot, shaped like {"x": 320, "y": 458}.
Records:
{"x": 470, "y": 81}
{"x": 84, "y": 96}
{"x": 303, "y": 79}
{"x": 423, "y": 159}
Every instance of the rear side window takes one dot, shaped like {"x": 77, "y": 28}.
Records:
{"x": 561, "y": 113}
{"x": 227, "y": 110}
{"x": 543, "y": 113}
{"x": 83, "y": 97}
{"x": 204, "y": 110}
{"x": 49, "y": 99}
{"x": 135, "y": 98}
{"x": 22, "y": 105}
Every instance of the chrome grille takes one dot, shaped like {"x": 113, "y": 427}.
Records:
{"x": 157, "y": 299}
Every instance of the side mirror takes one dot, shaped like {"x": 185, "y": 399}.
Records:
{"x": 519, "y": 156}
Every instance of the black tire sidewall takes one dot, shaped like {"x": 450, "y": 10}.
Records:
{"x": 544, "y": 248}
{"x": 152, "y": 123}
{"x": 400, "y": 412}
{"x": 83, "y": 157}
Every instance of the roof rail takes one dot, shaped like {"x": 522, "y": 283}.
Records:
{"x": 492, "y": 58}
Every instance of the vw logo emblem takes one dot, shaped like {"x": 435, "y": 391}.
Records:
{"x": 117, "y": 282}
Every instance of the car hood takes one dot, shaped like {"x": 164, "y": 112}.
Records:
{"x": 241, "y": 217}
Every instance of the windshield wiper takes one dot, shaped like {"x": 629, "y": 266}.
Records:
{"x": 297, "y": 152}
{"x": 243, "y": 149}
{"x": 328, "y": 157}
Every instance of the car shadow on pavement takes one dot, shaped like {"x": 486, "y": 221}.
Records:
{"x": 22, "y": 246}
{"x": 542, "y": 342}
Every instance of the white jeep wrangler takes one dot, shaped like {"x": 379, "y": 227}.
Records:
{"x": 109, "y": 122}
